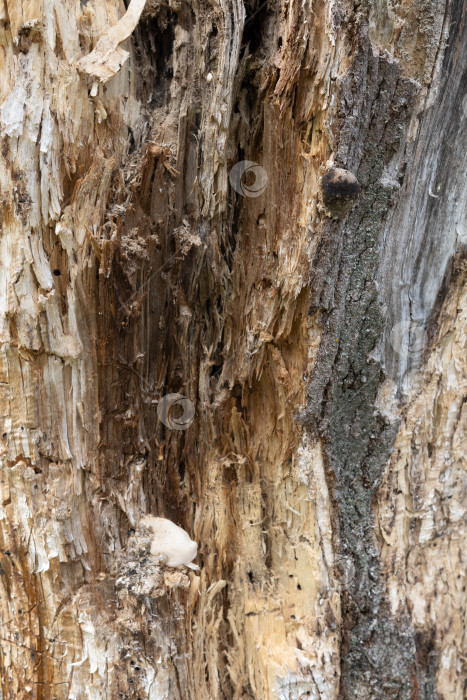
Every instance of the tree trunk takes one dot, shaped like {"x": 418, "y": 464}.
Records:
{"x": 256, "y": 212}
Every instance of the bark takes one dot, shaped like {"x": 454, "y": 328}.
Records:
{"x": 166, "y": 230}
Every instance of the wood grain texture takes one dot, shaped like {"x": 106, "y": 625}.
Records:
{"x": 324, "y": 354}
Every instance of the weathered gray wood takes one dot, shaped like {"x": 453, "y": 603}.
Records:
{"x": 165, "y": 239}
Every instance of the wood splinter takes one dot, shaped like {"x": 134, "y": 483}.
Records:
{"x": 107, "y": 57}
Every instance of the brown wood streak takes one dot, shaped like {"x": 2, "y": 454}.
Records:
{"x": 131, "y": 268}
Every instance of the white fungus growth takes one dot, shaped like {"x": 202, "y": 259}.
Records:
{"x": 170, "y": 542}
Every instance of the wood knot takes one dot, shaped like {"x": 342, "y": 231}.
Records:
{"x": 340, "y": 188}
{"x": 339, "y": 184}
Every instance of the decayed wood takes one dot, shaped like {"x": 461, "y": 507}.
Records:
{"x": 421, "y": 506}
{"x": 106, "y": 59}
{"x": 320, "y": 339}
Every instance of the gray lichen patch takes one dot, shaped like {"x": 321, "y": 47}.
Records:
{"x": 344, "y": 386}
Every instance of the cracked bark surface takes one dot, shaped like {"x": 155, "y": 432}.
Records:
{"x": 322, "y": 345}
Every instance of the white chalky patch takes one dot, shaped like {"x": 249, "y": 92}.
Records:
{"x": 171, "y": 542}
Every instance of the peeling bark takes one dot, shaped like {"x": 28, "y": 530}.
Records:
{"x": 167, "y": 238}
